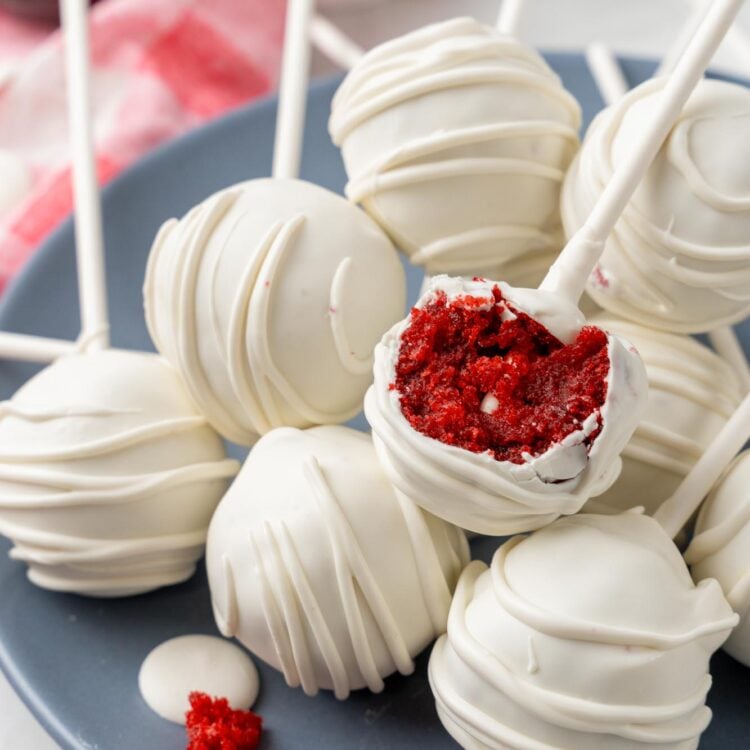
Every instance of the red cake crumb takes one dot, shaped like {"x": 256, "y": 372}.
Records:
{"x": 454, "y": 354}
{"x": 212, "y": 725}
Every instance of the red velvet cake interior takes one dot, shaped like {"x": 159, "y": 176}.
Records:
{"x": 495, "y": 379}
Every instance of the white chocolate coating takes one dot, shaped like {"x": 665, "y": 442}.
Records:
{"x": 692, "y": 393}
{"x": 679, "y": 257}
{"x": 456, "y": 140}
{"x": 269, "y": 297}
{"x": 196, "y": 663}
{"x": 474, "y": 490}
{"x": 721, "y": 548}
{"x": 321, "y": 571}
{"x": 108, "y": 475}
{"x": 587, "y": 635}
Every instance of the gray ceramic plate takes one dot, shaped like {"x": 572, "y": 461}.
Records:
{"x": 75, "y": 661}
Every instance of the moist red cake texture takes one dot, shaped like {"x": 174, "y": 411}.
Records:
{"x": 453, "y": 354}
{"x": 213, "y": 725}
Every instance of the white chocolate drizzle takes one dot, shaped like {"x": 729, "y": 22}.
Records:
{"x": 97, "y": 499}
{"x": 424, "y": 120}
{"x": 220, "y": 307}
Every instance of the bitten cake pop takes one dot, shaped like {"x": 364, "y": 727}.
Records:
{"x": 108, "y": 475}
{"x": 587, "y": 635}
{"x": 319, "y": 569}
{"x": 497, "y": 408}
{"x": 721, "y": 548}
{"x": 268, "y": 298}
{"x": 679, "y": 257}
{"x": 456, "y": 139}
{"x": 691, "y": 394}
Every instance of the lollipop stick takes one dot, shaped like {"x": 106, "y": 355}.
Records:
{"x": 509, "y": 17}
{"x": 675, "y": 512}
{"x": 295, "y": 71}
{"x": 88, "y": 220}
{"x": 607, "y": 72}
{"x": 34, "y": 348}
{"x": 568, "y": 274}
{"x": 334, "y": 44}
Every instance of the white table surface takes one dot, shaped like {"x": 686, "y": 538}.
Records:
{"x": 637, "y": 27}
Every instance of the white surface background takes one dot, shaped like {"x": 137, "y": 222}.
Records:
{"x": 637, "y": 27}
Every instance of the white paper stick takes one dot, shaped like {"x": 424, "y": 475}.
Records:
{"x": 92, "y": 290}
{"x": 675, "y": 512}
{"x": 334, "y": 44}
{"x": 295, "y": 72}
{"x": 725, "y": 343}
{"x": 697, "y": 13}
{"x": 568, "y": 274}
{"x": 509, "y": 16}
{"x": 606, "y": 72}
{"x": 34, "y": 348}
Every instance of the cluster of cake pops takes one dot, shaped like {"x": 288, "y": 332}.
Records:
{"x": 277, "y": 310}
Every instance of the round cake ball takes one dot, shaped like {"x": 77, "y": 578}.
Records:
{"x": 109, "y": 475}
{"x": 679, "y": 256}
{"x": 499, "y": 409}
{"x": 321, "y": 571}
{"x": 456, "y": 140}
{"x": 587, "y": 635}
{"x": 721, "y": 548}
{"x": 269, "y": 297}
{"x": 692, "y": 392}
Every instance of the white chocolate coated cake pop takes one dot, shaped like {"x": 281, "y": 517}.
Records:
{"x": 108, "y": 475}
{"x": 437, "y": 388}
{"x": 692, "y": 393}
{"x": 269, "y": 297}
{"x": 721, "y": 548}
{"x": 679, "y": 256}
{"x": 587, "y": 635}
{"x": 456, "y": 140}
{"x": 321, "y": 571}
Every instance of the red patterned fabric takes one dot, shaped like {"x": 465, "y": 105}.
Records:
{"x": 158, "y": 69}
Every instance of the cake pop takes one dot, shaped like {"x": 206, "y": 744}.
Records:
{"x": 546, "y": 651}
{"x": 318, "y": 568}
{"x": 108, "y": 475}
{"x": 456, "y": 139}
{"x": 268, "y": 297}
{"x": 719, "y": 548}
{"x": 501, "y": 443}
{"x": 691, "y": 394}
{"x": 678, "y": 258}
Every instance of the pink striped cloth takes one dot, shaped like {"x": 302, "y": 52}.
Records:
{"x": 160, "y": 67}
